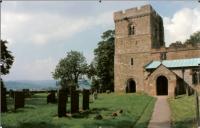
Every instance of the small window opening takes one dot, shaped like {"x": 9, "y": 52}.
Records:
{"x": 163, "y": 56}
{"x": 131, "y": 61}
{"x": 131, "y": 29}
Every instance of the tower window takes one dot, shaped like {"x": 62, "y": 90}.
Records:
{"x": 131, "y": 30}
{"x": 131, "y": 61}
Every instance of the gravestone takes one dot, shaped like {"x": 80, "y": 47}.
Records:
{"x": 62, "y": 100}
{"x": 11, "y": 93}
{"x": 3, "y": 98}
{"x": 51, "y": 97}
{"x": 94, "y": 95}
{"x": 19, "y": 99}
{"x": 27, "y": 93}
{"x": 86, "y": 99}
{"x": 74, "y": 100}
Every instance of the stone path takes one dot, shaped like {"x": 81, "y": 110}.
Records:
{"x": 161, "y": 114}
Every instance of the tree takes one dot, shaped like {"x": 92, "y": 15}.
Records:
{"x": 7, "y": 58}
{"x": 70, "y": 68}
{"x": 177, "y": 44}
{"x": 6, "y": 62}
{"x": 194, "y": 39}
{"x": 92, "y": 74}
{"x": 104, "y": 58}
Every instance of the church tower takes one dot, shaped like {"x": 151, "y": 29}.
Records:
{"x": 137, "y": 31}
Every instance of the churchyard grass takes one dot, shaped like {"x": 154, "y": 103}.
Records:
{"x": 183, "y": 111}
{"x": 137, "y": 110}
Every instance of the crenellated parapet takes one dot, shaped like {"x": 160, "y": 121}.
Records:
{"x": 134, "y": 12}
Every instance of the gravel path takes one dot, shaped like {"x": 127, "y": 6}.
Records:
{"x": 161, "y": 114}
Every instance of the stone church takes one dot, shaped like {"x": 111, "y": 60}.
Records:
{"x": 144, "y": 63}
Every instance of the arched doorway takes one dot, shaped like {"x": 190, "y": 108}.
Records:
{"x": 131, "y": 86}
{"x": 162, "y": 85}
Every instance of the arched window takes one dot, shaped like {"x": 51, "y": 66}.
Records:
{"x": 131, "y": 29}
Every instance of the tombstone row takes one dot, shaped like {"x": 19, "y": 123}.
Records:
{"x": 19, "y": 99}
{"x": 74, "y": 94}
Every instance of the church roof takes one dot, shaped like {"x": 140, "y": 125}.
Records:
{"x": 179, "y": 63}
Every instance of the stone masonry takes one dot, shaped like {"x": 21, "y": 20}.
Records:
{"x": 139, "y": 40}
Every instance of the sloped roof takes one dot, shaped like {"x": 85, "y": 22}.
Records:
{"x": 178, "y": 63}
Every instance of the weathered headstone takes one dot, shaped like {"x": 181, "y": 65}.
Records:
{"x": 27, "y": 93}
{"x": 94, "y": 95}
{"x": 74, "y": 100}
{"x": 11, "y": 93}
{"x": 19, "y": 99}
{"x": 86, "y": 99}
{"x": 62, "y": 100}
{"x": 51, "y": 98}
{"x": 3, "y": 98}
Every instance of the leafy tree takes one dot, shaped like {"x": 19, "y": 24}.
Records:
{"x": 70, "y": 68}
{"x": 92, "y": 74}
{"x": 177, "y": 44}
{"x": 194, "y": 38}
{"x": 7, "y": 58}
{"x": 91, "y": 70}
{"x": 104, "y": 58}
{"x": 6, "y": 62}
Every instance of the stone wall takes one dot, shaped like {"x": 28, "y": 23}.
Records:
{"x": 177, "y": 53}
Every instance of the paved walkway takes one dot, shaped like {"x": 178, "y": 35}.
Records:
{"x": 161, "y": 114}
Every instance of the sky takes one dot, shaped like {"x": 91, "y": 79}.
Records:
{"x": 40, "y": 33}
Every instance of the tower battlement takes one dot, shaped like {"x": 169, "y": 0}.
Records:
{"x": 134, "y": 12}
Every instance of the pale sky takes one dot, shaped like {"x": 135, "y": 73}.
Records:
{"x": 40, "y": 33}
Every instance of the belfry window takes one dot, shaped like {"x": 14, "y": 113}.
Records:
{"x": 131, "y": 30}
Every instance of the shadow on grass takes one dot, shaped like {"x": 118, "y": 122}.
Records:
{"x": 85, "y": 114}
{"x": 35, "y": 125}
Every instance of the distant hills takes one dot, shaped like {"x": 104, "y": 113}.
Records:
{"x": 32, "y": 85}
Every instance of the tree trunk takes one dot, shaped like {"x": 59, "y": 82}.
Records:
{"x": 3, "y": 98}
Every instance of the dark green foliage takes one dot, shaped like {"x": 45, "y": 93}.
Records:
{"x": 7, "y": 58}
{"x": 6, "y": 62}
{"x": 104, "y": 59}
{"x": 177, "y": 44}
{"x": 70, "y": 68}
{"x": 194, "y": 38}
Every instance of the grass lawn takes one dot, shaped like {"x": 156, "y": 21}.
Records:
{"x": 183, "y": 112}
{"x": 137, "y": 110}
